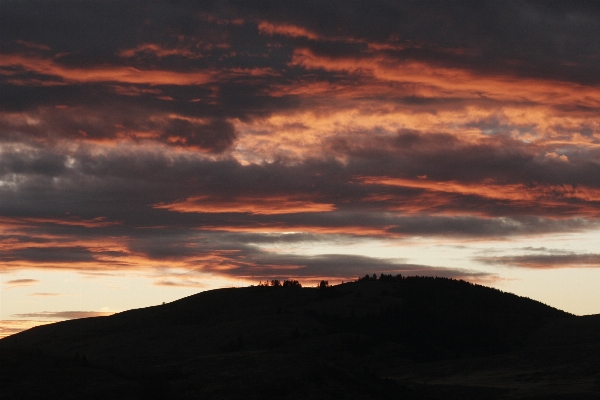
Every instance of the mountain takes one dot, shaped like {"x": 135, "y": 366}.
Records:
{"x": 392, "y": 337}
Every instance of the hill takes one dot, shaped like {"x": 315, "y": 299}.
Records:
{"x": 405, "y": 338}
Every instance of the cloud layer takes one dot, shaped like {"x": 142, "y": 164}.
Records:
{"x": 197, "y": 135}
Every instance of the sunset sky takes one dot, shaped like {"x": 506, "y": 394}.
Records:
{"x": 151, "y": 151}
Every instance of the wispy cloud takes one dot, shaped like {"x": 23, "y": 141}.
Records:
{"x": 545, "y": 261}
{"x": 260, "y": 205}
{"x": 10, "y": 327}
{"x": 46, "y": 294}
{"x": 63, "y": 314}
{"x": 180, "y": 283}
{"x": 21, "y": 282}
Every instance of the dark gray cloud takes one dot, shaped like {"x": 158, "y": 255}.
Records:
{"x": 215, "y": 135}
{"x": 342, "y": 266}
{"x": 545, "y": 261}
{"x": 124, "y": 186}
{"x": 528, "y": 38}
{"x": 72, "y": 254}
{"x": 251, "y": 262}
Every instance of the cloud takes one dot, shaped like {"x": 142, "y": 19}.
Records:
{"x": 263, "y": 205}
{"x": 437, "y": 81}
{"x": 49, "y": 254}
{"x": 545, "y": 261}
{"x": 10, "y": 327}
{"x": 45, "y": 67}
{"x": 64, "y": 314}
{"x": 184, "y": 283}
{"x": 21, "y": 282}
{"x": 286, "y": 30}
{"x": 556, "y": 157}
{"x": 158, "y": 51}
{"x": 522, "y": 198}
{"x": 251, "y": 262}
{"x": 111, "y": 123}
{"x": 214, "y": 135}
{"x": 45, "y": 294}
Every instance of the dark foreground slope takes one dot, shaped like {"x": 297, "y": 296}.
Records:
{"x": 409, "y": 338}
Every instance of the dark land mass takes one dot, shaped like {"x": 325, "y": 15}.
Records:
{"x": 386, "y": 338}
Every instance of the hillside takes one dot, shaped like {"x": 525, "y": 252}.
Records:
{"x": 407, "y": 338}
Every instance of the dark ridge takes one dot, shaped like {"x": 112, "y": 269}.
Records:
{"x": 386, "y": 337}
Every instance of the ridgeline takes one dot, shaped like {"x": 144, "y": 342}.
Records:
{"x": 376, "y": 338}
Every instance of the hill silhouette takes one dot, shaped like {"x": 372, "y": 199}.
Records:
{"x": 391, "y": 337}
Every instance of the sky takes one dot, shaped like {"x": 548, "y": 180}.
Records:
{"x": 151, "y": 150}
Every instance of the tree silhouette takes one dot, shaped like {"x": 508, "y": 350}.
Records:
{"x": 275, "y": 283}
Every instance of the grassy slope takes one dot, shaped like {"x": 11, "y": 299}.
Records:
{"x": 329, "y": 343}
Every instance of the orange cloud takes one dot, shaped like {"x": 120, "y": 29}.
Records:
{"x": 135, "y": 91}
{"x": 336, "y": 110}
{"x": 259, "y": 205}
{"x": 285, "y": 30}
{"x": 436, "y": 81}
{"x": 121, "y": 74}
{"x": 554, "y": 156}
{"x": 98, "y": 222}
{"x": 550, "y": 196}
{"x": 106, "y": 73}
{"x": 492, "y": 190}
{"x": 158, "y": 51}
{"x": 290, "y": 228}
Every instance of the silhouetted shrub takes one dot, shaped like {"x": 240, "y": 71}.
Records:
{"x": 323, "y": 285}
{"x": 382, "y": 277}
{"x": 291, "y": 284}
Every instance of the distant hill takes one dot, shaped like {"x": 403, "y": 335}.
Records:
{"x": 371, "y": 339}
